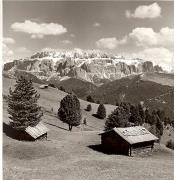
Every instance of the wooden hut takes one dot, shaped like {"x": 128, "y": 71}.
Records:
{"x": 32, "y": 133}
{"x": 124, "y": 140}
{"x": 43, "y": 86}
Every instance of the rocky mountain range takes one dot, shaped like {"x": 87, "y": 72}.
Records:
{"x": 92, "y": 66}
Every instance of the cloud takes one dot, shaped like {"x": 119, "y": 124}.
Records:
{"x": 37, "y": 30}
{"x": 96, "y": 24}
{"x": 22, "y": 50}
{"x": 107, "y": 43}
{"x": 144, "y": 36}
{"x": 8, "y": 40}
{"x": 72, "y": 35}
{"x": 145, "y": 11}
{"x": 110, "y": 43}
{"x": 49, "y": 49}
{"x": 7, "y": 53}
{"x": 161, "y": 56}
{"x": 148, "y": 37}
{"x": 66, "y": 42}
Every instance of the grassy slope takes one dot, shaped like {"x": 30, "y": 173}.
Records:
{"x": 80, "y": 87}
{"x": 66, "y": 155}
{"x": 51, "y": 97}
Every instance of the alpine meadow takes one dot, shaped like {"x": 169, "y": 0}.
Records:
{"x": 88, "y": 90}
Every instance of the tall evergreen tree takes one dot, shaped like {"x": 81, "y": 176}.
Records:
{"x": 141, "y": 112}
{"x": 118, "y": 118}
{"x": 135, "y": 116}
{"x": 147, "y": 116}
{"x": 69, "y": 111}
{"x": 159, "y": 126}
{"x": 22, "y": 105}
{"x": 101, "y": 112}
{"x": 161, "y": 114}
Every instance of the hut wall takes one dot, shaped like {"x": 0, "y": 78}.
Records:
{"x": 42, "y": 137}
{"x": 114, "y": 143}
{"x": 143, "y": 144}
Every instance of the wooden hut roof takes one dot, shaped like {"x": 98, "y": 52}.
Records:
{"x": 37, "y": 130}
{"x": 136, "y": 134}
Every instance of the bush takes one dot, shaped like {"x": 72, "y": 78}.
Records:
{"x": 101, "y": 112}
{"x": 170, "y": 144}
{"x": 84, "y": 121}
{"x": 69, "y": 111}
{"x": 89, "y": 107}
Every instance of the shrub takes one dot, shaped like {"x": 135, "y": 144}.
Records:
{"x": 89, "y": 107}
{"x": 170, "y": 144}
{"x": 84, "y": 121}
{"x": 69, "y": 111}
{"x": 22, "y": 105}
{"x": 101, "y": 112}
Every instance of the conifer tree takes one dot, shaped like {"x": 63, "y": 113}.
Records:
{"x": 69, "y": 111}
{"x": 101, "y": 112}
{"x": 141, "y": 112}
{"x": 135, "y": 116}
{"x": 159, "y": 126}
{"x": 118, "y": 118}
{"x": 147, "y": 116}
{"x": 22, "y": 105}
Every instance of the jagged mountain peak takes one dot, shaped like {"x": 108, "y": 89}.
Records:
{"x": 89, "y": 65}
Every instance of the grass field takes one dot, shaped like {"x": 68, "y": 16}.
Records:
{"x": 68, "y": 155}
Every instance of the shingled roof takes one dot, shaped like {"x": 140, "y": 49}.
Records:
{"x": 133, "y": 135}
{"x": 37, "y": 130}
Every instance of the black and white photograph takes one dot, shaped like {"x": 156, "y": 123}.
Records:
{"x": 87, "y": 90}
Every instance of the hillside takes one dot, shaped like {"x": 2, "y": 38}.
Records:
{"x": 78, "y": 86}
{"x": 51, "y": 97}
{"x": 134, "y": 90}
{"x": 59, "y": 157}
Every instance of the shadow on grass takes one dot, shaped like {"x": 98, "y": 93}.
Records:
{"x": 100, "y": 148}
{"x": 56, "y": 126}
{"x": 96, "y": 116}
{"x": 10, "y": 132}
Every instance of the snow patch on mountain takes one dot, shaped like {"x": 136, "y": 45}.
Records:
{"x": 89, "y": 65}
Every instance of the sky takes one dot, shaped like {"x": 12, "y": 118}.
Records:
{"x": 140, "y": 29}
